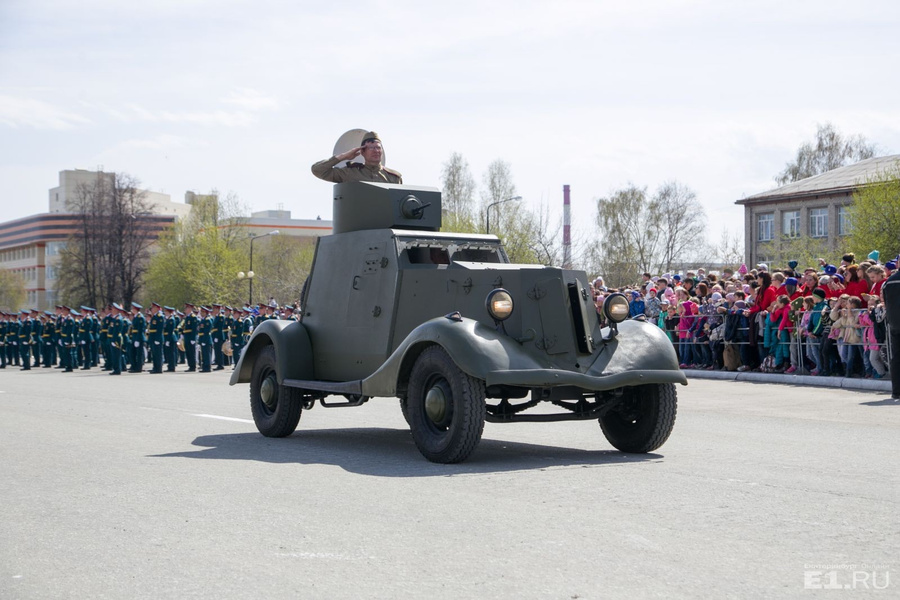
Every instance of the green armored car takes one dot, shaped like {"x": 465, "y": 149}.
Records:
{"x": 394, "y": 307}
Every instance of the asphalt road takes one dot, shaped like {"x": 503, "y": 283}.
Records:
{"x": 159, "y": 486}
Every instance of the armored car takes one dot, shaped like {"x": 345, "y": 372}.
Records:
{"x": 394, "y": 307}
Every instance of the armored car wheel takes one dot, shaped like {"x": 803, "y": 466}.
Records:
{"x": 643, "y": 420}
{"x": 445, "y": 408}
{"x": 276, "y": 408}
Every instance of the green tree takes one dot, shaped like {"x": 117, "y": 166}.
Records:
{"x": 875, "y": 216}
{"x": 629, "y": 235}
{"x": 12, "y": 290}
{"x": 804, "y": 249}
{"x": 281, "y": 264}
{"x": 829, "y": 151}
{"x": 199, "y": 258}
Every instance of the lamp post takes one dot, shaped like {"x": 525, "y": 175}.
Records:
{"x": 249, "y": 274}
{"x": 488, "y": 227}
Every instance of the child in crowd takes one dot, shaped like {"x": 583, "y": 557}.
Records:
{"x": 651, "y": 305}
{"x": 636, "y": 307}
{"x": 685, "y": 321}
{"x": 848, "y": 322}
{"x": 875, "y": 366}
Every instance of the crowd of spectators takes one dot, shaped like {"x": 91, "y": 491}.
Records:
{"x": 823, "y": 320}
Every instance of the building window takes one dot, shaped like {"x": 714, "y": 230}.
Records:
{"x": 50, "y": 272}
{"x": 54, "y": 248}
{"x": 791, "y": 223}
{"x": 764, "y": 227}
{"x": 818, "y": 222}
{"x": 844, "y": 221}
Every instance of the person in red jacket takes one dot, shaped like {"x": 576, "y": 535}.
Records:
{"x": 854, "y": 286}
{"x": 765, "y": 295}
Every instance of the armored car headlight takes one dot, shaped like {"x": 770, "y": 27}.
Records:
{"x": 615, "y": 307}
{"x": 499, "y": 304}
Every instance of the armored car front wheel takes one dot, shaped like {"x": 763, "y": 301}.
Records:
{"x": 644, "y": 418}
{"x": 276, "y": 408}
{"x": 445, "y": 408}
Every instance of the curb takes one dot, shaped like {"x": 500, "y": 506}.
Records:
{"x": 867, "y": 385}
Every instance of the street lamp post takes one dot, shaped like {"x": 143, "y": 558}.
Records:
{"x": 249, "y": 274}
{"x": 488, "y": 227}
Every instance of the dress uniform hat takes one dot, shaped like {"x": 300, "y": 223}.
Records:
{"x": 155, "y": 304}
{"x": 117, "y": 306}
{"x": 136, "y": 305}
{"x": 168, "y": 308}
{"x": 370, "y": 136}
{"x": 186, "y": 304}
{"x": 217, "y": 306}
{"x": 75, "y": 313}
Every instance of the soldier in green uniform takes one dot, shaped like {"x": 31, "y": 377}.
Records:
{"x": 204, "y": 338}
{"x": 218, "y": 335}
{"x": 84, "y": 339}
{"x": 155, "y": 337}
{"x": 115, "y": 326}
{"x": 169, "y": 338}
{"x": 137, "y": 337}
{"x": 48, "y": 338}
{"x": 4, "y": 327}
{"x": 25, "y": 327}
{"x": 106, "y": 315}
{"x": 189, "y": 333}
{"x": 95, "y": 338}
{"x": 371, "y": 170}
{"x": 67, "y": 339}
{"x": 37, "y": 328}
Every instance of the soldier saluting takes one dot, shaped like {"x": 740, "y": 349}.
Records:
{"x": 371, "y": 170}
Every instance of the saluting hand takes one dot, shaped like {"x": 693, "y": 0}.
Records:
{"x": 350, "y": 154}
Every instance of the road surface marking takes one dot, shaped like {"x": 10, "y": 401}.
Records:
{"x": 226, "y": 418}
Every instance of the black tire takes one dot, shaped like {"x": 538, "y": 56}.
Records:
{"x": 276, "y": 408}
{"x": 447, "y": 427}
{"x": 643, "y": 421}
{"x": 404, "y": 408}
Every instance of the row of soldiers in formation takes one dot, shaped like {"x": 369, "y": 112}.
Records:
{"x": 125, "y": 339}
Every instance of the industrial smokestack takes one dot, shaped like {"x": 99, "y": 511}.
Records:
{"x": 567, "y": 224}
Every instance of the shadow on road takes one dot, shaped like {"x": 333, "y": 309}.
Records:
{"x": 384, "y": 452}
{"x": 885, "y": 402}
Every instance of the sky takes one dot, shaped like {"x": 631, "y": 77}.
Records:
{"x": 243, "y": 97}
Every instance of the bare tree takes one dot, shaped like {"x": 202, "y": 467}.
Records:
{"x": 630, "y": 234}
{"x": 106, "y": 259}
{"x": 458, "y": 194}
{"x": 829, "y": 151}
{"x": 681, "y": 222}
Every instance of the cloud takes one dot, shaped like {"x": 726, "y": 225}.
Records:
{"x": 250, "y": 99}
{"x": 18, "y": 111}
{"x": 159, "y": 142}
{"x": 236, "y": 118}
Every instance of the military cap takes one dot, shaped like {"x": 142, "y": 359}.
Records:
{"x": 34, "y": 311}
{"x": 117, "y": 306}
{"x": 189, "y": 304}
{"x": 217, "y": 306}
{"x": 370, "y": 136}
{"x": 179, "y": 313}
{"x": 136, "y": 305}
{"x": 48, "y": 313}
{"x": 155, "y": 304}
{"x": 25, "y": 312}
{"x": 205, "y": 308}
{"x": 168, "y": 308}
{"x": 74, "y": 312}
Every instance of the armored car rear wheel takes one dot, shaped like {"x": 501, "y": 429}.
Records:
{"x": 445, "y": 408}
{"x": 276, "y": 409}
{"x": 643, "y": 420}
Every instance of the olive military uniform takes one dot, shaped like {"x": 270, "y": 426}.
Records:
{"x": 329, "y": 171}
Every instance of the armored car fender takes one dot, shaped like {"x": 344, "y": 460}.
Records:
{"x": 292, "y": 349}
